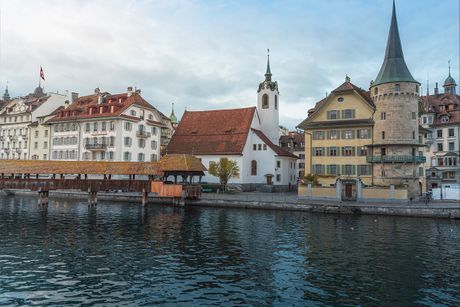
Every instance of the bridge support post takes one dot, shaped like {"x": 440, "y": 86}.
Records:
{"x": 145, "y": 197}
{"x": 92, "y": 198}
{"x": 43, "y": 198}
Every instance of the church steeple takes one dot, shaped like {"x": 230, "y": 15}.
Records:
{"x": 394, "y": 68}
{"x": 268, "y": 73}
{"x": 6, "y": 95}
{"x": 173, "y": 117}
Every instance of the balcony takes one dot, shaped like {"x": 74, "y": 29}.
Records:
{"x": 18, "y": 150}
{"x": 13, "y": 137}
{"x": 143, "y": 134}
{"x": 7, "y": 151}
{"x": 396, "y": 159}
{"x": 24, "y": 136}
{"x": 96, "y": 146}
{"x": 2, "y": 138}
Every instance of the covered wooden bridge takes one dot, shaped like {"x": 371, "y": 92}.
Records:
{"x": 95, "y": 176}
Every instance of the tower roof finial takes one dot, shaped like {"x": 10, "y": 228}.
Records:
{"x": 449, "y": 66}
{"x": 394, "y": 68}
{"x": 268, "y": 72}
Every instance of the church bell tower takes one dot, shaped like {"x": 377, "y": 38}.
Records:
{"x": 268, "y": 105}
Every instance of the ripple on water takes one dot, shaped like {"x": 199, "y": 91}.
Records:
{"x": 122, "y": 254}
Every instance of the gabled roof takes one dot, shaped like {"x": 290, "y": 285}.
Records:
{"x": 446, "y": 104}
{"x": 217, "y": 132}
{"x": 394, "y": 68}
{"x": 345, "y": 87}
{"x": 87, "y": 107}
{"x": 278, "y": 150}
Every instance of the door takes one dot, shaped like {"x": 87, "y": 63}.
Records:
{"x": 269, "y": 180}
{"x": 348, "y": 190}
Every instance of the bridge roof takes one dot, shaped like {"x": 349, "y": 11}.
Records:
{"x": 176, "y": 163}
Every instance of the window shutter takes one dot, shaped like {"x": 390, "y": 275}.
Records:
{"x": 353, "y": 151}
{"x": 353, "y": 113}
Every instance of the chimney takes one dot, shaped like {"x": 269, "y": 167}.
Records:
{"x": 436, "y": 90}
{"x": 130, "y": 91}
{"x": 74, "y": 97}
{"x": 138, "y": 90}
{"x": 66, "y": 104}
{"x": 97, "y": 90}
{"x": 99, "y": 99}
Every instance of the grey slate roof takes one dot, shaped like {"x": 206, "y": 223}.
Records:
{"x": 394, "y": 68}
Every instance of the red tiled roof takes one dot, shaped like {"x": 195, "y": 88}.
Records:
{"x": 278, "y": 150}
{"x": 218, "y": 132}
{"x": 113, "y": 106}
{"x": 443, "y": 104}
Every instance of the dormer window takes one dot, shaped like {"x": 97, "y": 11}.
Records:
{"x": 340, "y": 99}
{"x": 445, "y": 119}
{"x": 133, "y": 113}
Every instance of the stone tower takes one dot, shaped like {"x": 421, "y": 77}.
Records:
{"x": 395, "y": 145}
{"x": 268, "y": 105}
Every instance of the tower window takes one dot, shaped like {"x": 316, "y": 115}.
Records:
{"x": 397, "y": 87}
{"x": 276, "y": 102}
{"x": 383, "y": 115}
{"x": 413, "y": 135}
{"x": 416, "y": 88}
{"x": 383, "y": 135}
{"x": 376, "y": 91}
{"x": 265, "y": 101}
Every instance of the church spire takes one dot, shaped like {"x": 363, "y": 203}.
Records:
{"x": 268, "y": 73}
{"x": 6, "y": 95}
{"x": 394, "y": 68}
{"x": 173, "y": 117}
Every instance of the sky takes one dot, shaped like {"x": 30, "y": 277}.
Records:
{"x": 208, "y": 54}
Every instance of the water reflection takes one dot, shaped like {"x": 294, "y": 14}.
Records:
{"x": 117, "y": 253}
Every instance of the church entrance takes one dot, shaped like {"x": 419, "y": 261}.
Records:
{"x": 269, "y": 179}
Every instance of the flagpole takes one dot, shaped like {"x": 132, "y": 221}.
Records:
{"x": 39, "y": 78}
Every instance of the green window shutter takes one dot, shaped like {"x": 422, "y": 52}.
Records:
{"x": 353, "y": 151}
{"x": 353, "y": 113}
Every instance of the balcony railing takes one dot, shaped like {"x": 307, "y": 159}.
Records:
{"x": 396, "y": 159}
{"x": 13, "y": 137}
{"x": 24, "y": 136}
{"x": 96, "y": 146}
{"x": 7, "y": 150}
{"x": 18, "y": 150}
{"x": 143, "y": 134}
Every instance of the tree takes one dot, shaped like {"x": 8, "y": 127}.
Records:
{"x": 225, "y": 170}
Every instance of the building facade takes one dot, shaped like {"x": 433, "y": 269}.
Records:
{"x": 441, "y": 116}
{"x": 338, "y": 131}
{"x": 356, "y": 138}
{"x": 106, "y": 127}
{"x": 16, "y": 117}
{"x": 294, "y": 142}
{"x": 248, "y": 136}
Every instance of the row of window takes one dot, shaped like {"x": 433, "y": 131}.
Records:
{"x": 341, "y": 114}
{"x": 72, "y": 140}
{"x": 64, "y": 127}
{"x": 396, "y": 88}
{"x": 140, "y": 143}
{"x": 37, "y": 134}
{"x": 334, "y": 151}
{"x": 444, "y": 161}
{"x": 16, "y": 118}
{"x": 45, "y": 145}
{"x": 6, "y": 145}
{"x": 383, "y": 115}
{"x": 13, "y": 156}
{"x": 64, "y": 155}
{"x": 450, "y": 133}
{"x": 259, "y": 147}
{"x": 100, "y": 126}
{"x": 20, "y": 131}
{"x": 451, "y": 146}
{"x": 109, "y": 141}
{"x": 342, "y": 134}
{"x": 140, "y": 157}
{"x": 346, "y": 169}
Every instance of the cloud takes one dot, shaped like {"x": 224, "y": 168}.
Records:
{"x": 211, "y": 54}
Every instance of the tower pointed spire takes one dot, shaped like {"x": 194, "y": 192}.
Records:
{"x": 6, "y": 95}
{"x": 394, "y": 68}
{"x": 173, "y": 117}
{"x": 268, "y": 73}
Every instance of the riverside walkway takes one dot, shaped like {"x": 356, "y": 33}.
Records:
{"x": 290, "y": 201}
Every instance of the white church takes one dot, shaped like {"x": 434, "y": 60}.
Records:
{"x": 248, "y": 136}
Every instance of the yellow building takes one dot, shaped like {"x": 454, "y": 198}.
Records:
{"x": 337, "y": 132}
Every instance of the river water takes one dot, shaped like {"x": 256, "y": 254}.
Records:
{"x": 119, "y": 253}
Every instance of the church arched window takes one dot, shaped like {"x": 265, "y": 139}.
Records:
{"x": 276, "y": 102}
{"x": 253, "y": 168}
{"x": 265, "y": 101}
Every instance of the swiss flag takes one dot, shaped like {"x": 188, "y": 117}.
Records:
{"x": 42, "y": 74}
